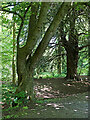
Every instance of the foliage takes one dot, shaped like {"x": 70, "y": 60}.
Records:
{"x": 6, "y": 55}
{"x": 47, "y": 66}
{"x": 9, "y": 96}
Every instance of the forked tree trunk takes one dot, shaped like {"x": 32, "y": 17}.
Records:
{"x": 25, "y": 62}
{"x": 25, "y": 79}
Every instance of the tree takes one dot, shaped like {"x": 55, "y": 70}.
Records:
{"x": 72, "y": 49}
{"x": 13, "y": 59}
{"x": 6, "y": 47}
{"x": 88, "y": 41}
{"x": 89, "y": 49}
{"x": 59, "y": 57}
{"x": 70, "y": 40}
{"x": 30, "y": 53}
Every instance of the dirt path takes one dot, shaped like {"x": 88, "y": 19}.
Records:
{"x": 71, "y": 107}
{"x": 59, "y": 87}
{"x": 56, "y": 98}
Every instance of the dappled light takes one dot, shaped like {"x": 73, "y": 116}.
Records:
{"x": 45, "y": 60}
{"x": 55, "y": 105}
{"x": 45, "y": 91}
{"x": 53, "y": 88}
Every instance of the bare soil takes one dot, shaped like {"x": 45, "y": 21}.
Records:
{"x": 59, "y": 87}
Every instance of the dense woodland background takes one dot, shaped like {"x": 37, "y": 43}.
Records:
{"x": 42, "y": 40}
{"x": 54, "y": 58}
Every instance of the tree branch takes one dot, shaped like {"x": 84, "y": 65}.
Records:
{"x": 32, "y": 40}
{"x": 80, "y": 48}
{"x": 48, "y": 60}
{"x": 18, "y": 36}
{"x": 54, "y": 57}
{"x": 33, "y": 20}
{"x": 82, "y": 34}
{"x": 2, "y": 9}
{"x": 9, "y": 6}
{"x": 49, "y": 33}
{"x": 52, "y": 45}
{"x": 23, "y": 18}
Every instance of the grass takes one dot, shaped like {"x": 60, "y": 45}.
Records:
{"x": 49, "y": 75}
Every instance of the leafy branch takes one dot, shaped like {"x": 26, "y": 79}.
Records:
{"x": 80, "y": 48}
{"x": 2, "y": 9}
{"x": 23, "y": 18}
{"x": 9, "y": 5}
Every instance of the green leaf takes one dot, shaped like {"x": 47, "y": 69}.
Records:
{"x": 25, "y": 107}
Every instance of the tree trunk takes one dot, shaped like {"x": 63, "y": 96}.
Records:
{"x": 25, "y": 61}
{"x": 89, "y": 44}
{"x": 71, "y": 47}
{"x": 59, "y": 58}
{"x": 13, "y": 59}
{"x": 72, "y": 61}
{"x": 25, "y": 79}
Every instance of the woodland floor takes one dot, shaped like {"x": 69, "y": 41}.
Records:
{"x": 56, "y": 98}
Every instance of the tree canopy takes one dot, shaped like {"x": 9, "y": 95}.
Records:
{"x": 43, "y": 39}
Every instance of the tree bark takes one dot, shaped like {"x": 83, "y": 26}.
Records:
{"x": 26, "y": 62}
{"x": 89, "y": 44}
{"x": 49, "y": 33}
{"x": 72, "y": 61}
{"x": 72, "y": 50}
{"x": 59, "y": 66}
{"x": 71, "y": 47}
{"x": 25, "y": 79}
{"x": 13, "y": 59}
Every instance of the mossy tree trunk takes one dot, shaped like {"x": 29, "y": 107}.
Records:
{"x": 26, "y": 59}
